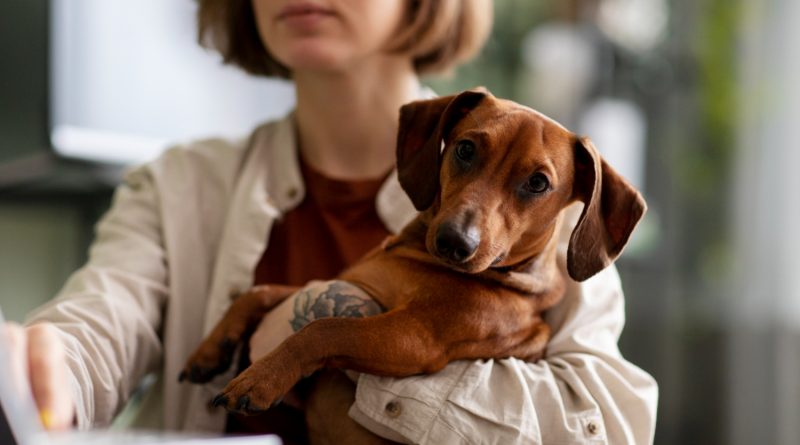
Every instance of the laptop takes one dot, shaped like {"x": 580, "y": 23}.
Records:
{"x": 20, "y": 425}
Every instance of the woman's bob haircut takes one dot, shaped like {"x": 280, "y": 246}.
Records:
{"x": 437, "y": 34}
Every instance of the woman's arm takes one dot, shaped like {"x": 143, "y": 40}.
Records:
{"x": 109, "y": 312}
{"x": 584, "y": 391}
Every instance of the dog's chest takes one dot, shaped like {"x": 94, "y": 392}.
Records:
{"x": 396, "y": 280}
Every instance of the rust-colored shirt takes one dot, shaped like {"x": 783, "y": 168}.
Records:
{"x": 334, "y": 225}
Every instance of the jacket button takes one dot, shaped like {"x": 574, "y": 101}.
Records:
{"x": 593, "y": 428}
{"x": 393, "y": 409}
{"x": 292, "y": 193}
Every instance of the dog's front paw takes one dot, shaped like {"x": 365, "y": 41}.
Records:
{"x": 210, "y": 359}
{"x": 258, "y": 388}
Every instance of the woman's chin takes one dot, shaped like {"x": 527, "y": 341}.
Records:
{"x": 315, "y": 65}
{"x": 329, "y": 58}
{"x": 313, "y": 56}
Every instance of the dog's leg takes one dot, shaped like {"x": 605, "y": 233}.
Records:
{"x": 326, "y": 413}
{"x": 398, "y": 343}
{"x": 533, "y": 345}
{"x": 215, "y": 353}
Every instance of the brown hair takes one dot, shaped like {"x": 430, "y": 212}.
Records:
{"x": 437, "y": 34}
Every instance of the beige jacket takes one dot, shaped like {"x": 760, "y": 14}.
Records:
{"x": 187, "y": 230}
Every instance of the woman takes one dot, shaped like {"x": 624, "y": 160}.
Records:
{"x": 299, "y": 199}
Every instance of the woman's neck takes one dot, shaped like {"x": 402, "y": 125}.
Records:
{"x": 347, "y": 122}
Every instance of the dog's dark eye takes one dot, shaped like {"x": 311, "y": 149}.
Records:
{"x": 465, "y": 150}
{"x": 537, "y": 183}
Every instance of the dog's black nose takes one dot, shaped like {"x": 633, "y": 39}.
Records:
{"x": 456, "y": 244}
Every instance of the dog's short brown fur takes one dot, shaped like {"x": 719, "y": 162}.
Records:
{"x": 471, "y": 276}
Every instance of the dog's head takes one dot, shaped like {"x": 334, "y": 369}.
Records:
{"x": 493, "y": 177}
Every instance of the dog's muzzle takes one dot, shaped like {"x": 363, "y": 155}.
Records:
{"x": 456, "y": 245}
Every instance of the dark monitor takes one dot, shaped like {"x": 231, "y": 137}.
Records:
{"x": 24, "y": 101}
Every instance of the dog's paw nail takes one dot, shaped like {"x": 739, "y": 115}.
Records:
{"x": 277, "y": 402}
{"x": 242, "y": 403}
{"x": 254, "y": 410}
{"x": 198, "y": 374}
{"x": 220, "y": 399}
{"x": 182, "y": 376}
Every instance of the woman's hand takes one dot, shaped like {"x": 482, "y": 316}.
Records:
{"x": 273, "y": 329}
{"x": 38, "y": 356}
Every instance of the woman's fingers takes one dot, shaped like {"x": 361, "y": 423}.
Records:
{"x": 38, "y": 358}
{"x": 18, "y": 352}
{"x": 49, "y": 376}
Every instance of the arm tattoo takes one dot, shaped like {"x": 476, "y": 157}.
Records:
{"x": 337, "y": 300}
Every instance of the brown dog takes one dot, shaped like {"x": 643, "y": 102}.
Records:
{"x": 471, "y": 276}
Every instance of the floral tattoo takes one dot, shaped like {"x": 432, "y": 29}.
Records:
{"x": 338, "y": 300}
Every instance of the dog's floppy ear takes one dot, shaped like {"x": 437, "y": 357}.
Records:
{"x": 423, "y": 125}
{"x": 612, "y": 208}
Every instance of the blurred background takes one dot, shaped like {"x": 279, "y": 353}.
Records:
{"x": 697, "y": 102}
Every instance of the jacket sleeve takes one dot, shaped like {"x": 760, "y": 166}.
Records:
{"x": 109, "y": 312}
{"x": 584, "y": 391}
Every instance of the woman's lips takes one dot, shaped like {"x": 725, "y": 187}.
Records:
{"x": 304, "y": 12}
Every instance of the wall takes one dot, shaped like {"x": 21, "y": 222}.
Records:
{"x": 41, "y": 243}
